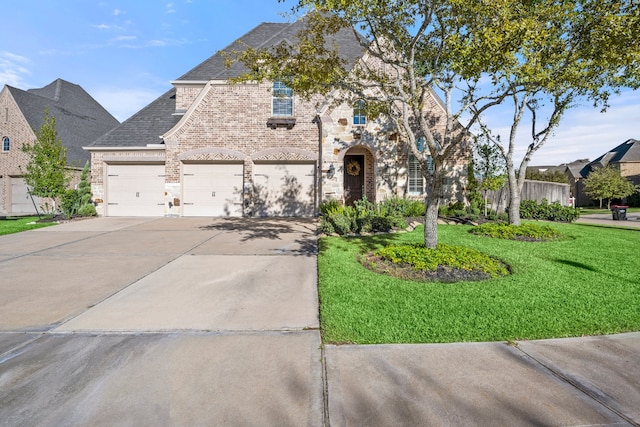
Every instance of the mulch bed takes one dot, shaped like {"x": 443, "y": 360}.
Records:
{"x": 405, "y": 271}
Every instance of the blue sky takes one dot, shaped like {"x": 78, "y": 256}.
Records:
{"x": 125, "y": 53}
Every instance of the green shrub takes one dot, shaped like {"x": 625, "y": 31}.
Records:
{"x": 69, "y": 201}
{"x": 88, "y": 209}
{"x": 415, "y": 208}
{"x": 545, "y": 211}
{"x": 341, "y": 223}
{"x": 516, "y": 232}
{"x": 398, "y": 206}
{"x": 458, "y": 257}
{"x": 326, "y": 227}
{"x": 330, "y": 206}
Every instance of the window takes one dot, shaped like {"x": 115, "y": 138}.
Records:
{"x": 282, "y": 100}
{"x": 359, "y": 113}
{"x": 416, "y": 181}
{"x": 6, "y": 143}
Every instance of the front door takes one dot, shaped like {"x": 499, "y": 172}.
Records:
{"x": 353, "y": 178}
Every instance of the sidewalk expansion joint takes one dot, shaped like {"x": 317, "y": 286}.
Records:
{"x": 582, "y": 388}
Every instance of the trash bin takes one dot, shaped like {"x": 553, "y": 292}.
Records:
{"x": 619, "y": 212}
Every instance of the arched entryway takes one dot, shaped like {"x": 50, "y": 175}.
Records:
{"x": 359, "y": 176}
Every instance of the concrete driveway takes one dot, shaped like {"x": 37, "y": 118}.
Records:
{"x": 201, "y": 322}
{"x": 160, "y": 322}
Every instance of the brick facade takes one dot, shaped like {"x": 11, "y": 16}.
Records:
{"x": 228, "y": 124}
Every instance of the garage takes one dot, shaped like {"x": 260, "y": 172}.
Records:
{"x": 21, "y": 201}
{"x": 212, "y": 189}
{"x": 284, "y": 189}
{"x": 135, "y": 190}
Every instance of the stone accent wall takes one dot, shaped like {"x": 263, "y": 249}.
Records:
{"x": 386, "y": 156}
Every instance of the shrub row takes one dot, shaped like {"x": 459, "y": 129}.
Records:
{"x": 530, "y": 209}
{"x": 363, "y": 217}
{"x": 529, "y": 231}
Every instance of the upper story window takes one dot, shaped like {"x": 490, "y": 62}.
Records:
{"x": 6, "y": 143}
{"x": 359, "y": 113}
{"x": 282, "y": 104}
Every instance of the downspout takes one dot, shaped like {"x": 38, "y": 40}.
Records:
{"x": 318, "y": 121}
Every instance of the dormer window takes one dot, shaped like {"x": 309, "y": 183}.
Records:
{"x": 6, "y": 143}
{"x": 282, "y": 102}
{"x": 359, "y": 113}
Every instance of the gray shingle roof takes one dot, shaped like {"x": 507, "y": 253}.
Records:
{"x": 80, "y": 119}
{"x": 264, "y": 36}
{"x": 628, "y": 151}
{"x": 144, "y": 127}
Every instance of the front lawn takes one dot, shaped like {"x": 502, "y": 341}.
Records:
{"x": 10, "y": 226}
{"x": 587, "y": 283}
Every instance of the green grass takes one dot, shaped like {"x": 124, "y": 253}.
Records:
{"x": 10, "y": 226}
{"x": 587, "y": 283}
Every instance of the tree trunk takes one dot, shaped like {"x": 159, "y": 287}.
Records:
{"x": 431, "y": 221}
{"x": 514, "y": 198}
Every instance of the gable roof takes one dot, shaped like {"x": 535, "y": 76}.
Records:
{"x": 628, "y": 151}
{"x": 146, "y": 126}
{"x": 80, "y": 119}
{"x": 268, "y": 35}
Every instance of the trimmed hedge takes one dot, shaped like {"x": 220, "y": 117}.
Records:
{"x": 530, "y": 209}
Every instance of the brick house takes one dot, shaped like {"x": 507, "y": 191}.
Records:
{"x": 625, "y": 157}
{"x": 210, "y": 148}
{"x": 80, "y": 119}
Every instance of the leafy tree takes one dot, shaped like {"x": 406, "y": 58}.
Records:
{"x": 489, "y": 168}
{"x": 46, "y": 173}
{"x": 550, "y": 56}
{"x": 406, "y": 59}
{"x": 555, "y": 176}
{"x": 607, "y": 183}
{"x": 540, "y": 56}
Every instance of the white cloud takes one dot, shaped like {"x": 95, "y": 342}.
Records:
{"x": 102, "y": 26}
{"x": 13, "y": 69}
{"x": 117, "y": 12}
{"x": 124, "y": 38}
{"x": 170, "y": 8}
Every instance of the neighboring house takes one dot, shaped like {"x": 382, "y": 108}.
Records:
{"x": 625, "y": 157}
{"x": 80, "y": 120}
{"x": 210, "y": 148}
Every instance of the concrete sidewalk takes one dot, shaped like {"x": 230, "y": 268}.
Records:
{"x": 632, "y": 221}
{"x": 194, "y": 321}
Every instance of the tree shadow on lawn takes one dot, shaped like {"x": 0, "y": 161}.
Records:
{"x": 576, "y": 264}
{"x": 373, "y": 242}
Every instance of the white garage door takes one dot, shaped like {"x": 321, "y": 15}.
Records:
{"x": 212, "y": 189}
{"x": 135, "y": 190}
{"x": 284, "y": 189}
{"x": 20, "y": 199}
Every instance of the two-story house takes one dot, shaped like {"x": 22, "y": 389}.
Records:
{"x": 210, "y": 148}
{"x": 80, "y": 120}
